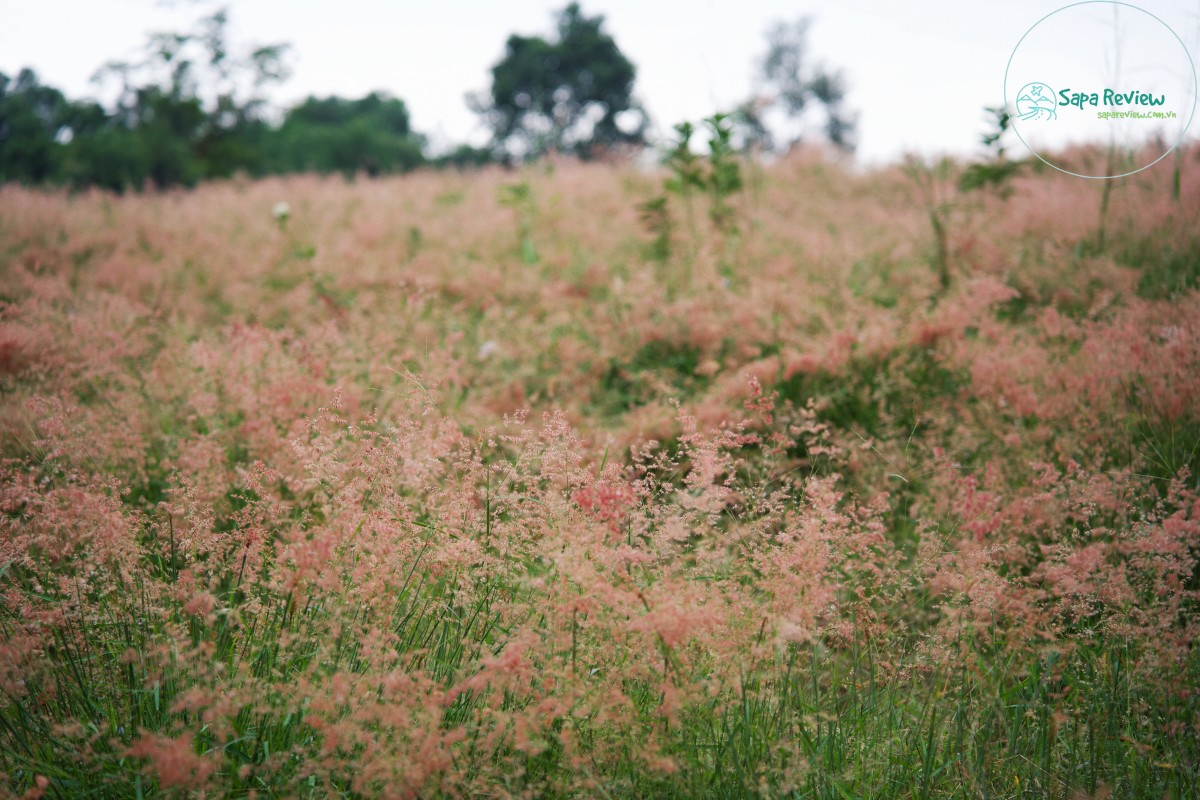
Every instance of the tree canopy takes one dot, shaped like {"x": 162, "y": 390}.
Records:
{"x": 571, "y": 93}
{"x": 795, "y": 86}
{"x": 333, "y": 134}
{"x": 31, "y": 116}
{"x": 194, "y": 106}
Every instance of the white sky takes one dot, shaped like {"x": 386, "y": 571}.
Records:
{"x": 920, "y": 72}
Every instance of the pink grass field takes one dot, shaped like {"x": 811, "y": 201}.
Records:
{"x": 417, "y": 494}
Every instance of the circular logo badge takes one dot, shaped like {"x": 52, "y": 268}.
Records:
{"x": 1100, "y": 77}
{"x": 1036, "y": 101}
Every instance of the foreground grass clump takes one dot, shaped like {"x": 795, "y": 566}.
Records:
{"x": 377, "y": 503}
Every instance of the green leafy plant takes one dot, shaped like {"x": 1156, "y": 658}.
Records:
{"x": 519, "y": 197}
{"x": 996, "y": 171}
{"x": 932, "y": 188}
{"x": 716, "y": 175}
{"x": 655, "y": 215}
{"x": 724, "y": 177}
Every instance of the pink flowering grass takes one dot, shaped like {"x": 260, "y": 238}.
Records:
{"x": 429, "y": 494}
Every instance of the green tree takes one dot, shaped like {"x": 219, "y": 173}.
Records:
{"x": 465, "y": 156}
{"x": 192, "y": 106}
{"x": 103, "y": 154}
{"x": 32, "y": 118}
{"x": 796, "y": 85}
{"x": 572, "y": 93}
{"x": 332, "y": 134}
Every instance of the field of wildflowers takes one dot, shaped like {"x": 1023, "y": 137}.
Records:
{"x": 518, "y": 484}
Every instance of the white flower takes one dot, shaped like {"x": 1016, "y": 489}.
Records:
{"x": 281, "y": 211}
{"x": 487, "y": 348}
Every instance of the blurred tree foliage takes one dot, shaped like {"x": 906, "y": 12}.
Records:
{"x": 370, "y": 135}
{"x": 194, "y": 107}
{"x": 794, "y": 85}
{"x": 30, "y": 117}
{"x": 571, "y": 94}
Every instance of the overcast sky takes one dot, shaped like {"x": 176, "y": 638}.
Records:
{"x": 920, "y": 71}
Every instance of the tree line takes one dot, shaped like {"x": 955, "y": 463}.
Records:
{"x": 195, "y": 107}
